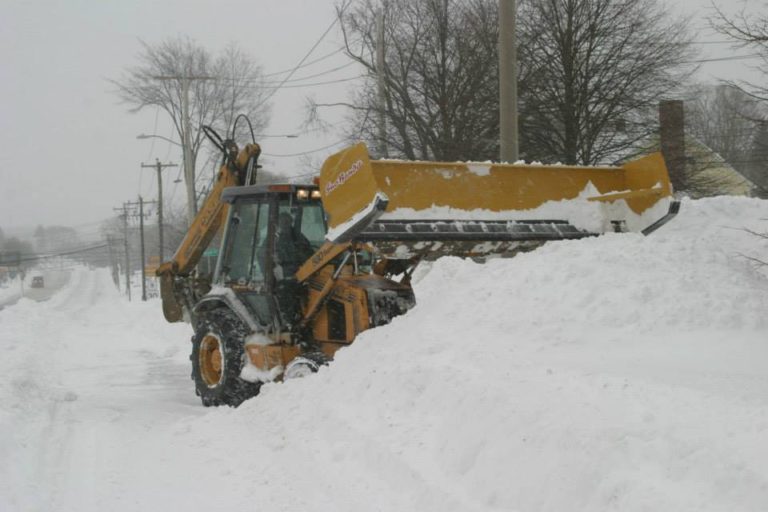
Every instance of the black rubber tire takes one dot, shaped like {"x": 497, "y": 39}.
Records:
{"x": 229, "y": 329}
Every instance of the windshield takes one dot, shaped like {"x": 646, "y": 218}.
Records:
{"x": 247, "y": 240}
{"x": 300, "y": 232}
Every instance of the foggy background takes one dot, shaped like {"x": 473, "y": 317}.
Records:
{"x": 69, "y": 153}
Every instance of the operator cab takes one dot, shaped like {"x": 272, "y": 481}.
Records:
{"x": 270, "y": 232}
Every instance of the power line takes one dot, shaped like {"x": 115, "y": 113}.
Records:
{"x": 307, "y": 152}
{"x": 37, "y": 257}
{"x": 335, "y": 20}
{"x": 307, "y": 64}
{"x": 322, "y": 73}
{"x": 716, "y": 42}
{"x": 315, "y": 84}
{"x": 719, "y": 59}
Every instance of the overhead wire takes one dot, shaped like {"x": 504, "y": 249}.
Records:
{"x": 37, "y": 257}
{"x": 316, "y": 84}
{"x": 716, "y": 42}
{"x": 303, "y": 63}
{"x": 306, "y": 152}
{"x": 720, "y": 59}
{"x": 333, "y": 24}
{"x": 322, "y": 73}
{"x": 307, "y": 64}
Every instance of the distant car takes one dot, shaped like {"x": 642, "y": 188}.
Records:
{"x": 38, "y": 282}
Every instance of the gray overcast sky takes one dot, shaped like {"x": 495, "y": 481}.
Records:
{"x": 68, "y": 149}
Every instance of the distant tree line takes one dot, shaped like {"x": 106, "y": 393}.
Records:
{"x": 13, "y": 250}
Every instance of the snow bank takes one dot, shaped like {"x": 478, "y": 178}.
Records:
{"x": 616, "y": 373}
{"x": 10, "y": 290}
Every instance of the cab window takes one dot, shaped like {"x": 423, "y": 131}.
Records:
{"x": 247, "y": 240}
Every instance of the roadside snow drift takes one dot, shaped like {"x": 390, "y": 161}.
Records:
{"x": 614, "y": 373}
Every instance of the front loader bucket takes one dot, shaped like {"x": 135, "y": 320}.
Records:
{"x": 472, "y": 209}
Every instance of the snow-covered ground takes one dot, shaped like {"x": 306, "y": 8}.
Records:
{"x": 14, "y": 289}
{"x": 11, "y": 289}
{"x": 615, "y": 373}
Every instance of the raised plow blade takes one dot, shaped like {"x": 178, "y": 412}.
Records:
{"x": 430, "y": 209}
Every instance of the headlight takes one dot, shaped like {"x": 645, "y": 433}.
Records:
{"x": 315, "y": 194}
{"x": 302, "y": 194}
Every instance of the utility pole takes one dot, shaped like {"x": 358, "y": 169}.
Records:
{"x": 124, "y": 216}
{"x": 143, "y": 254}
{"x": 189, "y": 171}
{"x": 159, "y": 167}
{"x": 507, "y": 81}
{"x": 186, "y": 140}
{"x": 380, "y": 77}
{"x": 141, "y": 204}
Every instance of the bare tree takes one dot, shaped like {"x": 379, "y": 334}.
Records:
{"x": 599, "y": 68}
{"x": 440, "y": 76}
{"x": 731, "y": 123}
{"x": 751, "y": 29}
{"x": 723, "y": 118}
{"x": 195, "y": 88}
{"x": 743, "y": 26}
{"x": 590, "y": 75}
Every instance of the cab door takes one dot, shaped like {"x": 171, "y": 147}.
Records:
{"x": 246, "y": 256}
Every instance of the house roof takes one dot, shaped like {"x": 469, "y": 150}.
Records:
{"x": 708, "y": 173}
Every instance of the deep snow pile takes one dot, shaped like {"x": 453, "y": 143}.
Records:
{"x": 614, "y": 373}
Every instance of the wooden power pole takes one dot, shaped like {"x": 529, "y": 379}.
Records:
{"x": 124, "y": 216}
{"x": 380, "y": 77}
{"x": 159, "y": 168}
{"x": 508, "y": 136}
{"x": 141, "y": 204}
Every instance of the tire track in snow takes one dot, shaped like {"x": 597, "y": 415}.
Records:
{"x": 121, "y": 386}
{"x": 60, "y": 301}
{"x": 50, "y": 323}
{"x": 72, "y": 390}
{"x": 80, "y": 296}
{"x": 30, "y": 340}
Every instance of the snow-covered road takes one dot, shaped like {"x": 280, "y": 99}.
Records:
{"x": 86, "y": 375}
{"x": 15, "y": 289}
{"x": 615, "y": 373}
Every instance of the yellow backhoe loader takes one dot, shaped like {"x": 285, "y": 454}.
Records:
{"x": 303, "y": 269}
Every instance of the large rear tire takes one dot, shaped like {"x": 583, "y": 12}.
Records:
{"x": 218, "y": 357}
